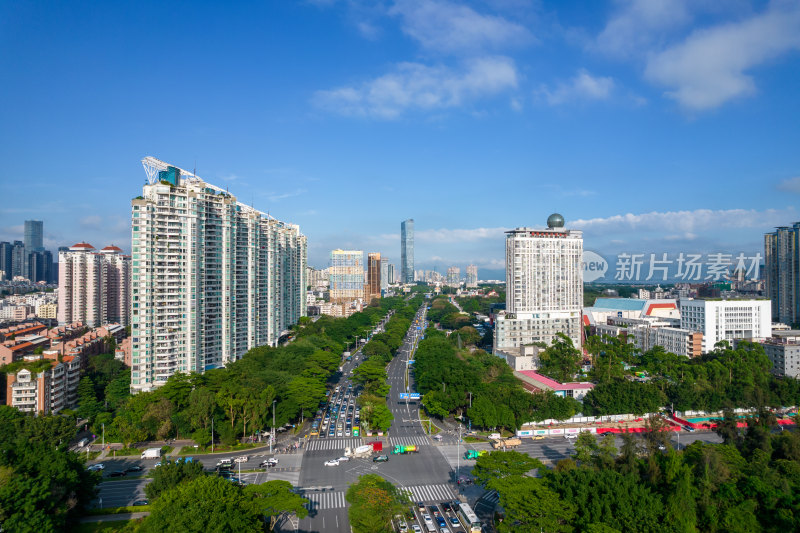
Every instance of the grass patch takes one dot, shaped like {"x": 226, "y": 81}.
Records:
{"x": 165, "y": 450}
{"x": 106, "y": 527}
{"x": 202, "y": 450}
{"x": 473, "y": 439}
{"x": 126, "y": 451}
{"x": 118, "y": 510}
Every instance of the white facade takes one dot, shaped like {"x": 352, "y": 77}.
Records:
{"x": 726, "y": 319}
{"x": 472, "y": 276}
{"x": 544, "y": 286}
{"x": 93, "y": 286}
{"x": 211, "y": 277}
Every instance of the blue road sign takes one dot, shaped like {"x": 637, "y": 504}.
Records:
{"x": 413, "y": 396}
{"x": 408, "y": 396}
{"x": 403, "y": 396}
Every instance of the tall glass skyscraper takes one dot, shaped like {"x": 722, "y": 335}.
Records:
{"x": 34, "y": 236}
{"x": 407, "y": 251}
{"x": 782, "y": 272}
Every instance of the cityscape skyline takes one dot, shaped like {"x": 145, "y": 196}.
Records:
{"x": 628, "y": 138}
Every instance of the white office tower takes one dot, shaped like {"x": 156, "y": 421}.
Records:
{"x": 544, "y": 285}
{"x": 211, "y": 277}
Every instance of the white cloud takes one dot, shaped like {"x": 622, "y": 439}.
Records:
{"x": 637, "y": 24}
{"x": 708, "y": 68}
{"x": 274, "y": 197}
{"x": 583, "y": 86}
{"x": 686, "y": 224}
{"x": 414, "y": 86}
{"x": 790, "y": 185}
{"x": 449, "y": 27}
{"x": 91, "y": 221}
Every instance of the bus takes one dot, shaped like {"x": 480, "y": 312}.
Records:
{"x": 468, "y": 518}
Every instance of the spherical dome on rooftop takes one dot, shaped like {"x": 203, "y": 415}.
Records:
{"x": 555, "y": 221}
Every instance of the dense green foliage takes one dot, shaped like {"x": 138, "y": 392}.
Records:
{"x": 446, "y": 376}
{"x": 725, "y": 377}
{"x": 170, "y": 474}
{"x": 561, "y": 360}
{"x": 213, "y": 504}
{"x": 447, "y": 315}
{"x": 240, "y": 396}
{"x": 43, "y": 486}
{"x": 750, "y": 485}
{"x": 373, "y": 502}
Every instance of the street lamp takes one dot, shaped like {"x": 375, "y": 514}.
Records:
{"x": 272, "y": 437}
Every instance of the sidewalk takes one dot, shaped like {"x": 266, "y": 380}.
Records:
{"x": 114, "y": 517}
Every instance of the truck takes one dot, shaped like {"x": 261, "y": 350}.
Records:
{"x": 151, "y": 453}
{"x": 474, "y": 454}
{"x": 499, "y": 444}
{"x": 405, "y": 448}
{"x": 377, "y": 446}
{"x": 360, "y": 451}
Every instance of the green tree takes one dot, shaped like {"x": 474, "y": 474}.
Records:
{"x": 170, "y": 474}
{"x": 561, "y": 360}
{"x": 277, "y": 500}
{"x": 88, "y": 406}
{"x": 498, "y": 464}
{"x": 208, "y": 504}
{"x": 531, "y": 506}
{"x": 373, "y": 502}
{"x": 307, "y": 393}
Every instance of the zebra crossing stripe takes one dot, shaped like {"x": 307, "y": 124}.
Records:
{"x": 430, "y": 493}
{"x": 492, "y": 497}
{"x": 325, "y": 500}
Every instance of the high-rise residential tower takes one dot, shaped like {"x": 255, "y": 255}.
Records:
{"x": 782, "y": 272}
{"x": 407, "y": 251}
{"x": 384, "y": 274}
{"x": 94, "y": 287}
{"x": 454, "y": 276}
{"x": 472, "y": 276}
{"x": 544, "y": 285}
{"x": 373, "y": 276}
{"x": 212, "y": 277}
{"x": 346, "y": 276}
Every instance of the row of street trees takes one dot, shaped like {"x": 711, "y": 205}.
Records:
{"x": 240, "y": 397}
{"x": 750, "y": 484}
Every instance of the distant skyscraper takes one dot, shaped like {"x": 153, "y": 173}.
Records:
{"x": 472, "y": 276}
{"x": 384, "y": 274}
{"x": 544, "y": 285}
{"x": 6, "y": 253}
{"x": 34, "y": 236}
{"x": 407, "y": 251}
{"x": 212, "y": 277}
{"x": 392, "y": 273}
{"x": 18, "y": 260}
{"x": 782, "y": 272}
{"x": 454, "y": 276}
{"x": 373, "y": 276}
{"x": 40, "y": 266}
{"x": 346, "y": 276}
{"x": 94, "y": 287}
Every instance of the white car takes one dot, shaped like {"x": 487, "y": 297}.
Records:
{"x": 343, "y": 459}
{"x": 241, "y": 459}
{"x": 95, "y": 468}
{"x": 332, "y": 462}
{"x": 339, "y": 433}
{"x": 416, "y": 528}
{"x": 427, "y": 518}
{"x": 570, "y": 436}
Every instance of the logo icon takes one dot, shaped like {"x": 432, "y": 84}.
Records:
{"x": 594, "y": 266}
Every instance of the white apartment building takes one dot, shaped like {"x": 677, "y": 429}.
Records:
{"x": 544, "y": 285}
{"x": 93, "y": 287}
{"x": 211, "y": 277}
{"x": 44, "y": 386}
{"x": 726, "y": 319}
{"x": 472, "y": 276}
{"x": 646, "y": 333}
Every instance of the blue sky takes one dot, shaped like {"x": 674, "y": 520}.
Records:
{"x": 661, "y": 125}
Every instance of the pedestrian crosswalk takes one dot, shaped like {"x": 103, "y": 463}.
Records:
{"x": 430, "y": 493}
{"x": 419, "y": 441}
{"x": 319, "y": 501}
{"x": 332, "y": 444}
{"x": 492, "y": 498}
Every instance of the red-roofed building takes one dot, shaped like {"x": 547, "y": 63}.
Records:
{"x": 535, "y": 382}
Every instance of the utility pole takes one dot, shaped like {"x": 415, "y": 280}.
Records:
{"x": 272, "y": 437}
{"x": 212, "y": 434}
{"x": 104, "y": 435}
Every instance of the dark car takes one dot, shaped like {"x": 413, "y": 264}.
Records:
{"x": 134, "y": 468}
{"x": 118, "y": 473}
{"x": 446, "y": 507}
{"x": 605, "y": 433}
